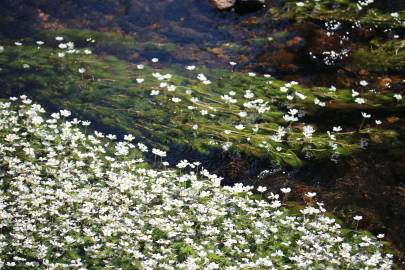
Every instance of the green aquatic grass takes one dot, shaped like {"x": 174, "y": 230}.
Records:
{"x": 108, "y": 93}
{"x": 381, "y": 57}
{"x": 341, "y": 10}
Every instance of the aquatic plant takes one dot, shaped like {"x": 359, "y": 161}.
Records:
{"x": 347, "y": 26}
{"x": 364, "y": 12}
{"x": 85, "y": 201}
{"x": 198, "y": 107}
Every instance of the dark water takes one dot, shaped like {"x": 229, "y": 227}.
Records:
{"x": 371, "y": 183}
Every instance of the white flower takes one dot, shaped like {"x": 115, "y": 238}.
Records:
{"x": 398, "y": 97}
{"x": 158, "y": 152}
{"x": 129, "y": 138}
{"x": 201, "y": 77}
{"x": 252, "y": 74}
{"x": 171, "y": 88}
{"x": 82, "y": 70}
{"x": 140, "y": 66}
{"x": 308, "y": 131}
{"x": 300, "y": 4}
{"x": 154, "y": 92}
{"x": 363, "y": 83}
{"x": 140, "y": 80}
{"x": 195, "y": 127}
{"x": 176, "y": 99}
{"x": 293, "y": 111}
{"x": 310, "y": 194}
{"x": 337, "y": 129}
{"x": 261, "y": 189}
{"x": 301, "y": 96}
{"x": 59, "y": 38}
{"x": 142, "y": 147}
{"x": 365, "y": 115}
{"x": 232, "y": 63}
{"x": 18, "y": 43}
{"x": 240, "y": 127}
{"x": 155, "y": 60}
{"x": 249, "y": 94}
{"x": 319, "y": 102}
{"x": 39, "y": 42}
{"x": 357, "y": 218}
{"x": 378, "y": 122}
{"x": 285, "y": 190}
{"x": 360, "y": 100}
{"x": 190, "y": 67}
{"x": 182, "y": 164}
{"x": 65, "y": 113}
{"x": 1, "y": 49}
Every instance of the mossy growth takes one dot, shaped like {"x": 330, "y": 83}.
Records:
{"x": 342, "y": 10}
{"x": 233, "y": 112}
{"x": 117, "y": 43}
{"x": 381, "y": 57}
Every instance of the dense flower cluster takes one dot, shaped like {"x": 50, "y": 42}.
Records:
{"x": 74, "y": 201}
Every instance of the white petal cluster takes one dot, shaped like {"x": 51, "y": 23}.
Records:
{"x": 74, "y": 201}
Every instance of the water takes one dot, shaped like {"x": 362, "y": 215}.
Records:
{"x": 192, "y": 32}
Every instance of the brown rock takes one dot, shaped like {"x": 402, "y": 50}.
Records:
{"x": 223, "y": 4}
{"x": 217, "y": 51}
{"x": 392, "y": 119}
{"x": 295, "y": 41}
{"x": 251, "y": 20}
{"x": 363, "y": 72}
{"x": 384, "y": 82}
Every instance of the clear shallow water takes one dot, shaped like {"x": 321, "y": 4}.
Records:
{"x": 191, "y": 32}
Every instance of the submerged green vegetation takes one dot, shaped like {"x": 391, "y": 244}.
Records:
{"x": 369, "y": 33}
{"x": 205, "y": 109}
{"x": 351, "y": 11}
{"x": 381, "y": 57}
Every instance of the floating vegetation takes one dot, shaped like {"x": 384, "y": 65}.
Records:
{"x": 86, "y": 201}
{"x": 357, "y": 12}
{"x": 206, "y": 109}
{"x": 367, "y": 33}
{"x": 382, "y": 57}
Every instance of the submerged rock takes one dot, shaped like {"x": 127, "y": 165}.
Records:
{"x": 241, "y": 5}
{"x": 223, "y": 4}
